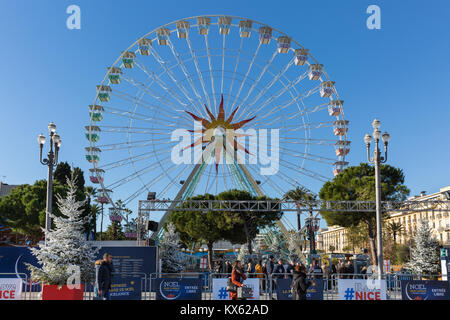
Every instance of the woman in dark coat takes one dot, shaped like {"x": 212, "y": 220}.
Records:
{"x": 299, "y": 283}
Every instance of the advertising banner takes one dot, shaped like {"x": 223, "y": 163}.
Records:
{"x": 220, "y": 288}
{"x": 314, "y": 292}
{"x": 362, "y": 289}
{"x": 10, "y": 288}
{"x": 425, "y": 290}
{"x": 126, "y": 288}
{"x": 178, "y": 289}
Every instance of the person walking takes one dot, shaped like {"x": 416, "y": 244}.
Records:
{"x": 270, "y": 267}
{"x": 290, "y": 269}
{"x": 104, "y": 277}
{"x": 299, "y": 283}
{"x": 237, "y": 278}
{"x": 97, "y": 265}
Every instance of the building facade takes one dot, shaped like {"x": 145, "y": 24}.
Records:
{"x": 439, "y": 222}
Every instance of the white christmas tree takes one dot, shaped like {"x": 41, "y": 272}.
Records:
{"x": 425, "y": 252}
{"x": 243, "y": 252}
{"x": 66, "y": 248}
{"x": 172, "y": 260}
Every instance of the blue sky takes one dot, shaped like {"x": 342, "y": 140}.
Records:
{"x": 399, "y": 74}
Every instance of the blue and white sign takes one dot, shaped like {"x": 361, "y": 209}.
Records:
{"x": 425, "y": 290}
{"x": 314, "y": 292}
{"x": 220, "y": 288}
{"x": 178, "y": 289}
{"x": 126, "y": 288}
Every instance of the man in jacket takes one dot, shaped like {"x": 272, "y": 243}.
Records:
{"x": 104, "y": 276}
{"x": 299, "y": 283}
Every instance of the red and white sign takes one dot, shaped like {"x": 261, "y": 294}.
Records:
{"x": 387, "y": 265}
{"x": 362, "y": 289}
{"x": 203, "y": 263}
{"x": 10, "y": 288}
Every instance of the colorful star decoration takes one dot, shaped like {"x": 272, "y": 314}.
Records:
{"x": 219, "y": 127}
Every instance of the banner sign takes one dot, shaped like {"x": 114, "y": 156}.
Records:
{"x": 362, "y": 289}
{"x": 10, "y": 288}
{"x": 425, "y": 290}
{"x": 220, "y": 288}
{"x": 178, "y": 289}
{"x": 314, "y": 292}
{"x": 126, "y": 288}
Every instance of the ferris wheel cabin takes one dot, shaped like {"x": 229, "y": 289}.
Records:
{"x": 224, "y": 25}
{"x": 92, "y": 154}
{"x": 92, "y": 133}
{"x": 301, "y": 56}
{"x": 284, "y": 44}
{"x": 103, "y": 93}
{"x": 203, "y": 25}
{"x": 335, "y": 107}
{"x": 182, "y": 29}
{"x": 339, "y": 166}
{"x": 265, "y": 34}
{"x": 96, "y": 112}
{"x": 102, "y": 199}
{"x": 315, "y": 71}
{"x": 342, "y": 148}
{"x": 144, "y": 46}
{"x": 245, "y": 28}
{"x": 128, "y": 59}
{"x": 340, "y": 127}
{"x": 114, "y": 75}
{"x": 326, "y": 89}
{"x": 163, "y": 36}
{"x": 97, "y": 175}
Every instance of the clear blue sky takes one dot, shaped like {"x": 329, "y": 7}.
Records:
{"x": 399, "y": 74}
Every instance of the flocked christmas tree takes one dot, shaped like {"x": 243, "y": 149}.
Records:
{"x": 172, "y": 260}
{"x": 66, "y": 248}
{"x": 425, "y": 252}
{"x": 243, "y": 252}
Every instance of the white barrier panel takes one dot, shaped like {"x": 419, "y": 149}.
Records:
{"x": 10, "y": 288}
{"x": 362, "y": 289}
{"x": 220, "y": 288}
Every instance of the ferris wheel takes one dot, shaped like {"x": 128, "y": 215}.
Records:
{"x": 222, "y": 81}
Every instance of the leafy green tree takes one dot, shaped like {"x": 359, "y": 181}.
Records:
{"x": 114, "y": 231}
{"x": 24, "y": 208}
{"x": 251, "y": 222}
{"x": 358, "y": 183}
{"x": 200, "y": 226}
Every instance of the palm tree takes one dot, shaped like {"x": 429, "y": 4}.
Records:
{"x": 395, "y": 228}
{"x": 300, "y": 194}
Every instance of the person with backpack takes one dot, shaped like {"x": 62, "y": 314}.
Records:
{"x": 236, "y": 280}
{"x": 299, "y": 284}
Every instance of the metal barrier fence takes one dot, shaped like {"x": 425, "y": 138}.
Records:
{"x": 267, "y": 284}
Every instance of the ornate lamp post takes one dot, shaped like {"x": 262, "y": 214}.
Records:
{"x": 377, "y": 159}
{"x": 50, "y": 162}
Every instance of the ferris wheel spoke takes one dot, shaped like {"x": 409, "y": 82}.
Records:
{"x": 162, "y": 84}
{"x": 263, "y": 71}
{"x": 140, "y": 116}
{"x": 296, "y": 99}
{"x": 146, "y": 89}
{"x": 309, "y": 126}
{"x": 307, "y": 156}
{"x": 309, "y": 173}
{"x": 173, "y": 181}
{"x": 185, "y": 72}
{"x": 228, "y": 109}
{"x": 171, "y": 76}
{"x": 135, "y": 175}
{"x": 319, "y": 142}
{"x": 200, "y": 75}
{"x": 145, "y": 187}
{"x": 141, "y": 102}
{"x": 292, "y": 115}
{"x": 271, "y": 83}
{"x": 211, "y": 73}
{"x": 246, "y": 75}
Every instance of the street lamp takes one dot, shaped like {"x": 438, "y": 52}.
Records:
{"x": 50, "y": 162}
{"x": 377, "y": 159}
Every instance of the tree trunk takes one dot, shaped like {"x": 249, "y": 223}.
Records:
{"x": 101, "y": 226}
{"x": 210, "y": 255}
{"x": 249, "y": 241}
{"x": 372, "y": 243}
